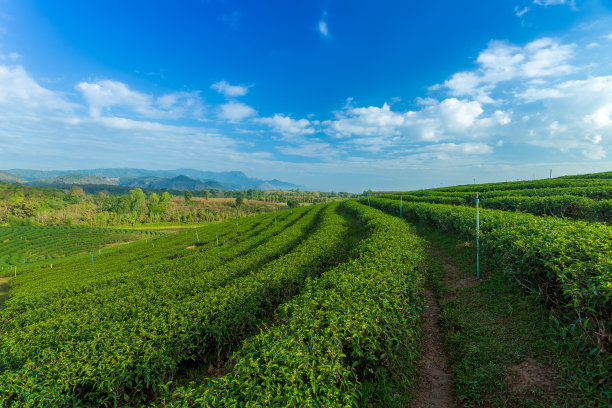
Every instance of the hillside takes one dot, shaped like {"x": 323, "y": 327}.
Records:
{"x": 179, "y": 183}
{"x": 367, "y": 302}
{"x": 11, "y": 178}
{"x": 229, "y": 180}
{"x": 27, "y": 205}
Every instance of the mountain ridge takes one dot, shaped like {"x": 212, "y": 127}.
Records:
{"x": 200, "y": 179}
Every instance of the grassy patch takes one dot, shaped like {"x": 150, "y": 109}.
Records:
{"x": 501, "y": 341}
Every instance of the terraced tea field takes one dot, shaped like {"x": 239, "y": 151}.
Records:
{"x": 323, "y": 306}
{"x": 27, "y": 245}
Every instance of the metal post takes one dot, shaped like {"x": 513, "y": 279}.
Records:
{"x": 217, "y": 235}
{"x": 197, "y": 237}
{"x": 368, "y": 200}
{"x": 92, "y": 260}
{"x": 477, "y": 239}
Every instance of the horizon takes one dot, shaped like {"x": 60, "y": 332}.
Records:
{"x": 295, "y": 188}
{"x": 333, "y": 96}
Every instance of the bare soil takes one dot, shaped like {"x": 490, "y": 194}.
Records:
{"x": 3, "y": 291}
{"x": 530, "y": 375}
{"x": 435, "y": 386}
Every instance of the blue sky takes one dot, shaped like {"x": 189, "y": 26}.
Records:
{"x": 333, "y": 95}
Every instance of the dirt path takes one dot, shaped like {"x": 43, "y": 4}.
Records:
{"x": 435, "y": 388}
{"x": 3, "y": 291}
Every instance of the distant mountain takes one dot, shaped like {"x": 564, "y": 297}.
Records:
{"x": 229, "y": 180}
{"x": 11, "y": 178}
{"x": 177, "y": 183}
{"x": 75, "y": 178}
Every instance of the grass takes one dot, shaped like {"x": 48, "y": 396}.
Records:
{"x": 501, "y": 341}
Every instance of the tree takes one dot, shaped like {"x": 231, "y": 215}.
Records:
{"x": 137, "y": 201}
{"x": 101, "y": 197}
{"x": 206, "y": 194}
{"x": 165, "y": 197}
{"x": 188, "y": 195}
{"x": 293, "y": 203}
{"x": 239, "y": 200}
{"x": 154, "y": 198}
{"x": 77, "y": 191}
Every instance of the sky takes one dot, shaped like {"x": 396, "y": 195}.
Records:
{"x": 328, "y": 94}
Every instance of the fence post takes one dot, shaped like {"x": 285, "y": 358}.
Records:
{"x": 400, "y": 206}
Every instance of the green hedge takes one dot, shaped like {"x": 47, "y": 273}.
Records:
{"x": 348, "y": 339}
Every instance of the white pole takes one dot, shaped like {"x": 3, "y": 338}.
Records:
{"x": 477, "y": 240}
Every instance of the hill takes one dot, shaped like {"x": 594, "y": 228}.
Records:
{"x": 75, "y": 179}
{"x": 179, "y": 183}
{"x": 228, "y": 180}
{"x": 11, "y": 178}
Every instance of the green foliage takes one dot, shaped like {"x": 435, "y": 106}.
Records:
{"x": 187, "y": 195}
{"x": 166, "y": 308}
{"x": 293, "y": 203}
{"x": 567, "y": 263}
{"x": 166, "y": 197}
{"x": 342, "y": 340}
{"x": 239, "y": 200}
{"x": 34, "y": 245}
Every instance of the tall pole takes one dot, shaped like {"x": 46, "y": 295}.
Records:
{"x": 217, "y": 236}
{"x": 477, "y": 240}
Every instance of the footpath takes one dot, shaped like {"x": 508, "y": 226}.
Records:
{"x": 488, "y": 344}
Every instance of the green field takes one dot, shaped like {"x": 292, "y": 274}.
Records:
{"x": 34, "y": 245}
{"x": 317, "y": 306}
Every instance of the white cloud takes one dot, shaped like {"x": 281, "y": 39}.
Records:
{"x": 106, "y": 95}
{"x": 459, "y": 115}
{"x": 323, "y": 28}
{"x": 594, "y": 153}
{"x": 367, "y": 121}
{"x": 322, "y": 25}
{"x": 502, "y": 62}
{"x": 235, "y": 111}
{"x": 289, "y": 127}
{"x": 534, "y": 94}
{"x": 20, "y": 93}
{"x": 547, "y": 3}
{"x": 11, "y": 57}
{"x": 602, "y": 117}
{"x": 229, "y": 91}
{"x": 520, "y": 12}
{"x": 312, "y": 149}
{"x": 130, "y": 124}
{"x": 547, "y": 57}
